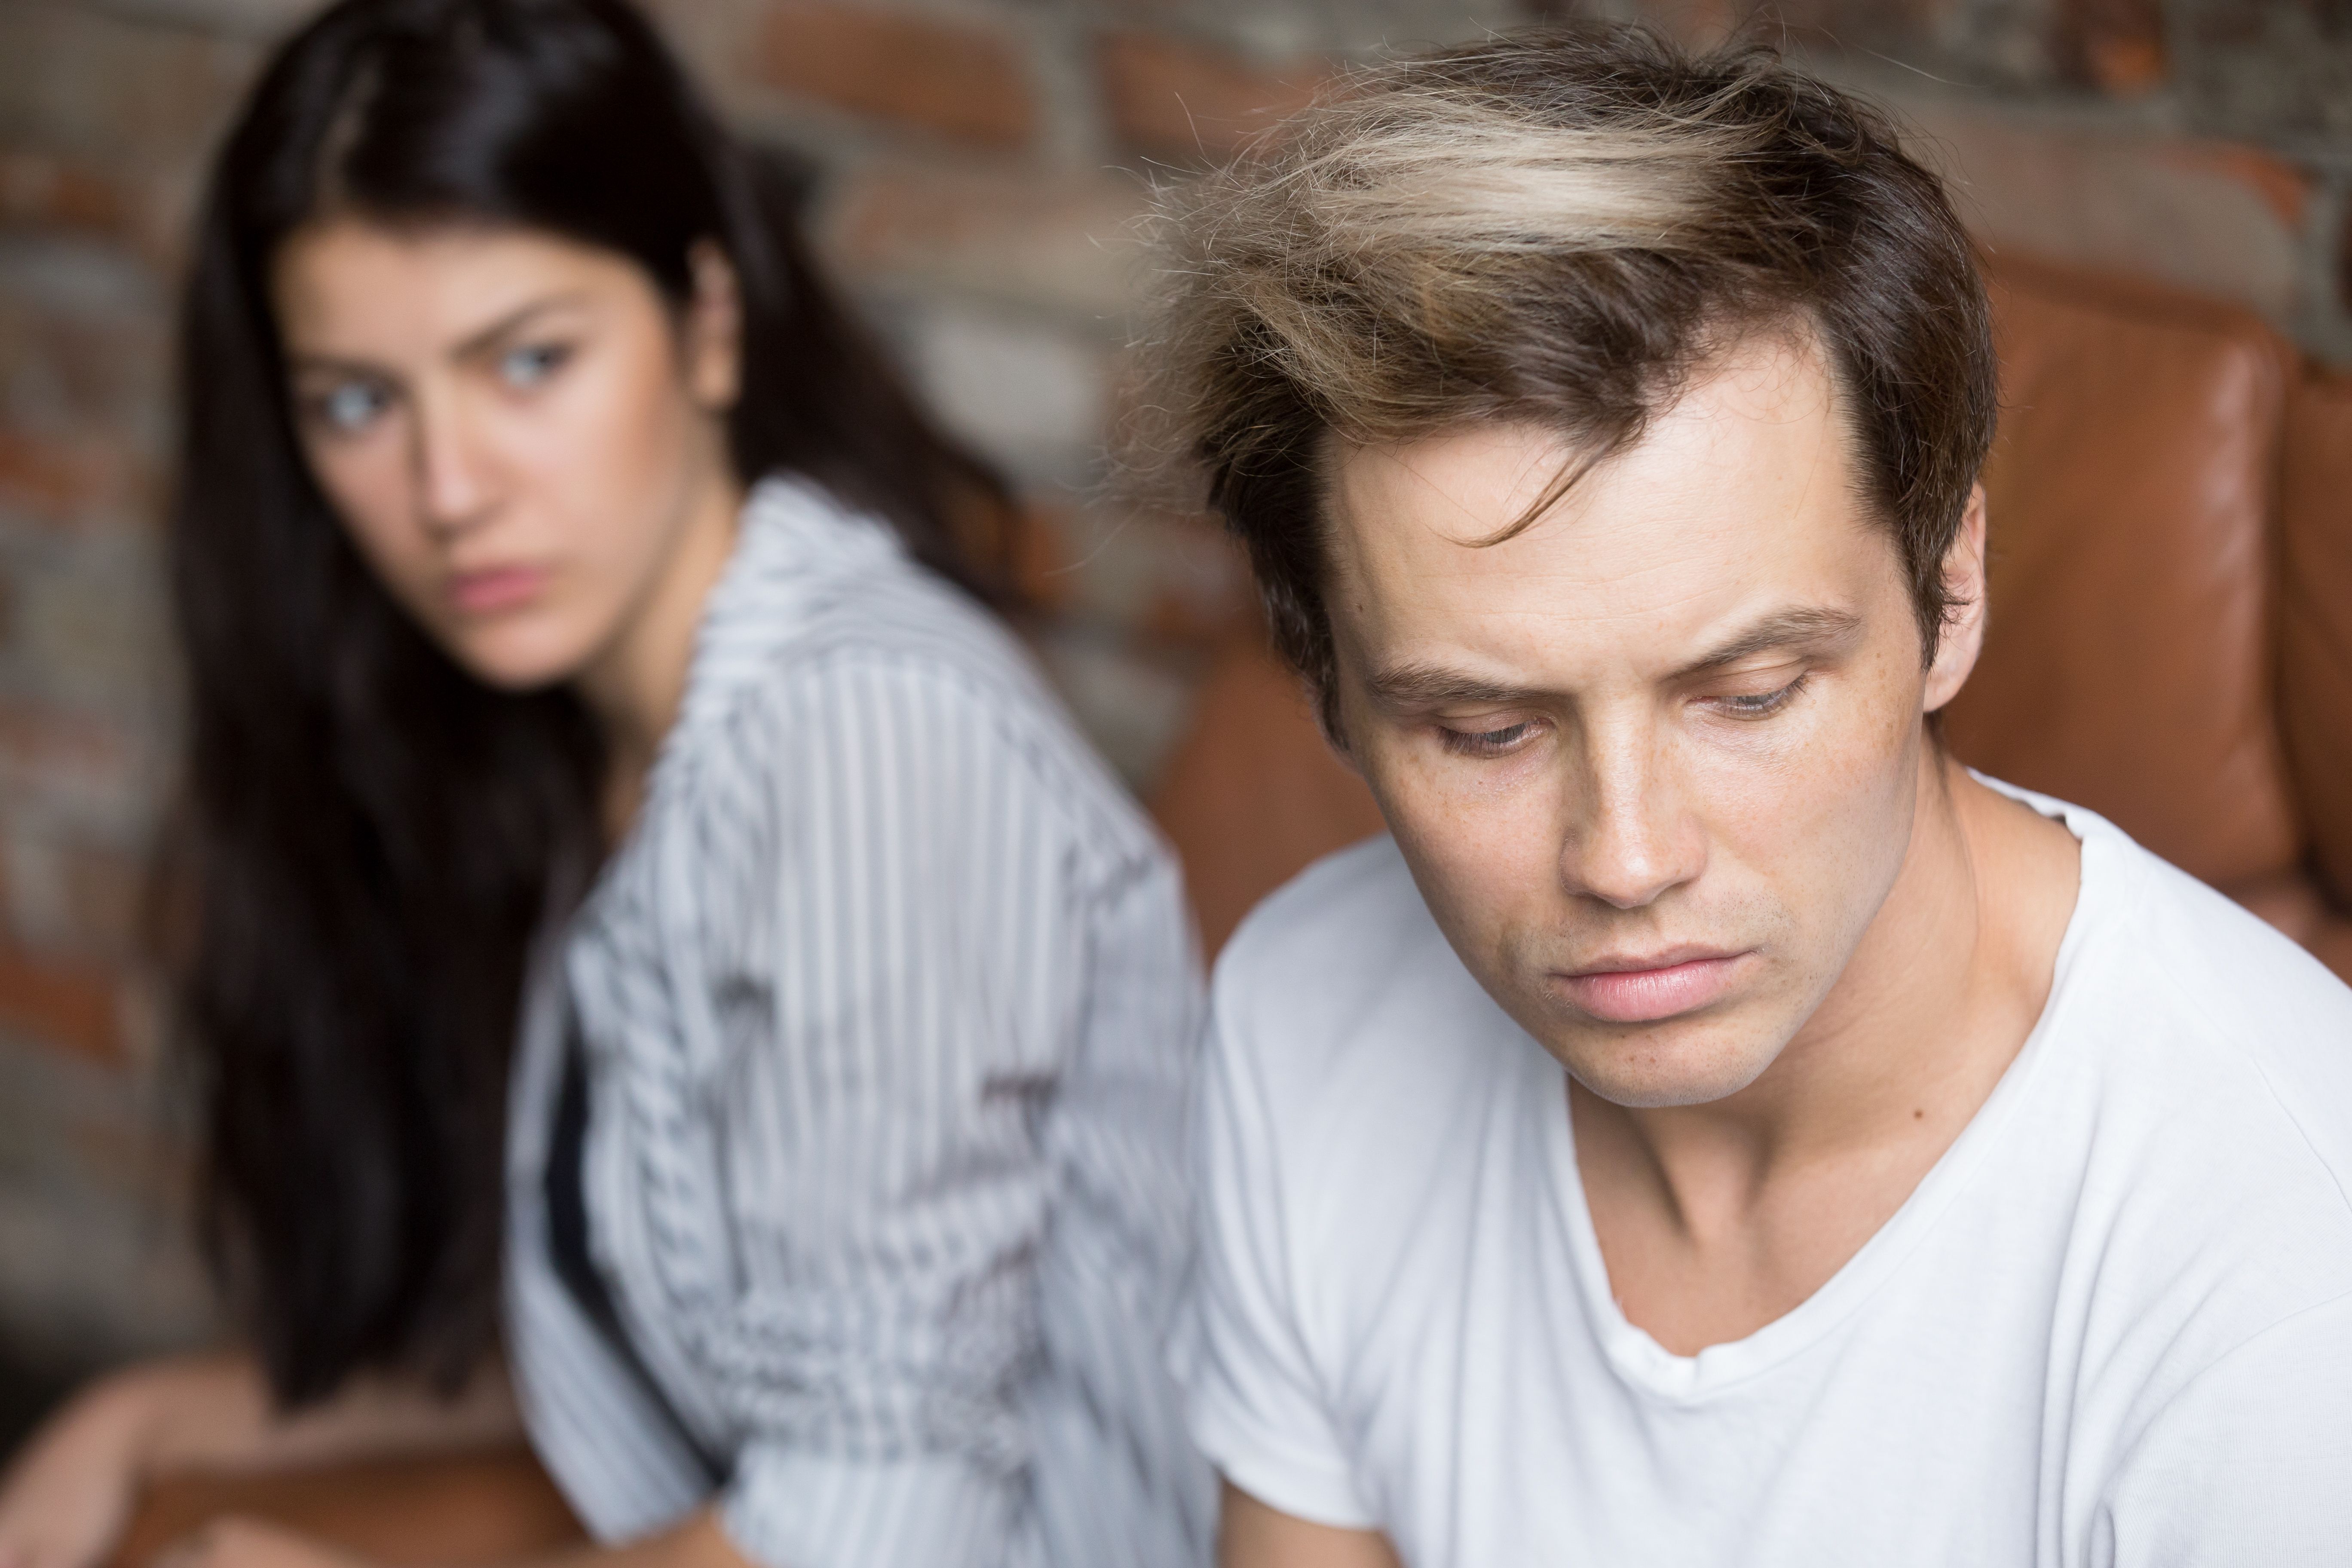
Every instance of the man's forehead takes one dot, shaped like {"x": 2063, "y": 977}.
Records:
{"x": 1731, "y": 530}
{"x": 1759, "y": 422}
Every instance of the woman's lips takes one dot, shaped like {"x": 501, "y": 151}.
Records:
{"x": 1644, "y": 995}
{"x": 499, "y": 588}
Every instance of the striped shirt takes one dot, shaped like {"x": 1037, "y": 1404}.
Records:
{"x": 883, "y": 1016}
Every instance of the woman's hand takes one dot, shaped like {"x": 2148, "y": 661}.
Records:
{"x": 234, "y": 1542}
{"x": 70, "y": 1493}
{"x": 64, "y": 1502}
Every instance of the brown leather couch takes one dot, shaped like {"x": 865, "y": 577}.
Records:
{"x": 2171, "y": 646}
{"x": 2171, "y": 619}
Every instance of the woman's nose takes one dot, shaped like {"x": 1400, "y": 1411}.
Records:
{"x": 452, "y": 490}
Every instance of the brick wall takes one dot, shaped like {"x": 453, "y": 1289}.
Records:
{"x": 987, "y": 161}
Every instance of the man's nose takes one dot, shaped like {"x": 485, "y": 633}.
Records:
{"x": 1631, "y": 837}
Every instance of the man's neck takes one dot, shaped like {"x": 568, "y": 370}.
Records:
{"x": 1716, "y": 1218}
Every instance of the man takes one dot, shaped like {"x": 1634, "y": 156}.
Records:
{"x": 1713, "y": 1126}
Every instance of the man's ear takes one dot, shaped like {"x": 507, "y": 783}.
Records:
{"x": 1964, "y": 620}
{"x": 713, "y": 339}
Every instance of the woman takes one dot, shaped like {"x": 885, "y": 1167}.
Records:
{"x": 572, "y": 610}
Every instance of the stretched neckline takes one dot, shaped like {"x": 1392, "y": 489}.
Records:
{"x": 1646, "y": 1364}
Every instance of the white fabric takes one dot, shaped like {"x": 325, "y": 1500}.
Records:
{"x": 887, "y": 1006}
{"x": 2112, "y": 1326}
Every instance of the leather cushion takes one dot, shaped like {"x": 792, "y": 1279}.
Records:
{"x": 2316, "y": 621}
{"x": 2128, "y": 663}
{"x": 487, "y": 1507}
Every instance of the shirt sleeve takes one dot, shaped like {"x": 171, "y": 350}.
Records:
{"x": 900, "y": 972}
{"x": 1257, "y": 1402}
{"x": 2251, "y": 1463}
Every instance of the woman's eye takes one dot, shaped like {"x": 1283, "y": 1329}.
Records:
{"x": 532, "y": 363}
{"x": 1485, "y": 743}
{"x": 351, "y": 407}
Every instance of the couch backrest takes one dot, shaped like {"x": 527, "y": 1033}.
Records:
{"x": 2315, "y": 622}
{"x": 2129, "y": 661}
{"x": 1252, "y": 796}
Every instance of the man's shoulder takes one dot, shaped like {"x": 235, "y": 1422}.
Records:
{"x": 2235, "y": 1001}
{"x": 1315, "y": 946}
{"x": 2192, "y": 1129}
{"x": 2168, "y": 967}
{"x": 2216, "y": 980}
{"x": 2213, "y": 1060}
{"x": 1344, "y": 967}
{"x": 1345, "y": 895}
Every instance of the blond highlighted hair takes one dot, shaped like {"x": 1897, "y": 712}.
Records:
{"x": 1555, "y": 228}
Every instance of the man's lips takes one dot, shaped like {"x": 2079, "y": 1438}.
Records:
{"x": 1643, "y": 989}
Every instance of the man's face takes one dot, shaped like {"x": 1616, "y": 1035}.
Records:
{"x": 1654, "y": 761}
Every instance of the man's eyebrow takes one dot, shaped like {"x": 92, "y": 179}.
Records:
{"x": 1412, "y": 686}
{"x": 1787, "y": 628}
{"x": 1407, "y": 686}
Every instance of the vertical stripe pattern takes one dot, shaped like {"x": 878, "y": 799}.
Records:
{"x": 888, "y": 1005}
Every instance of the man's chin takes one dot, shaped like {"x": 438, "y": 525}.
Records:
{"x": 1654, "y": 1068}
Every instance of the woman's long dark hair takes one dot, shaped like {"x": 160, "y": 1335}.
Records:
{"x": 371, "y": 837}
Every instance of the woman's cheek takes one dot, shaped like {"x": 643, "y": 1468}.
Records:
{"x": 622, "y": 420}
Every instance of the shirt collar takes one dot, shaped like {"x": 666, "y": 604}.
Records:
{"x": 794, "y": 543}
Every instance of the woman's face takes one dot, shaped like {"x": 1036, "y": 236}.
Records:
{"x": 525, "y": 441}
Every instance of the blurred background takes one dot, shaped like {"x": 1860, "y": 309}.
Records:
{"x": 984, "y": 164}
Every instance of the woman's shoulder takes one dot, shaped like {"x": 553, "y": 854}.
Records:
{"x": 837, "y": 630}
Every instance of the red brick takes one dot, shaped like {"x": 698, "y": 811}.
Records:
{"x": 148, "y": 214}
{"x": 2344, "y": 262}
{"x": 57, "y": 479}
{"x": 2115, "y": 45}
{"x": 85, "y": 335}
{"x": 952, "y": 78}
{"x": 1693, "y": 24}
{"x": 105, "y": 895}
{"x": 70, "y": 763}
{"x": 71, "y": 897}
{"x": 1181, "y": 99}
{"x": 70, "y": 1006}
{"x": 1064, "y": 242}
{"x": 38, "y": 188}
{"x": 1185, "y": 584}
{"x": 134, "y": 1159}
{"x": 118, "y": 87}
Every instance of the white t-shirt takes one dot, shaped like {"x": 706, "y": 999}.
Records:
{"x": 2112, "y": 1325}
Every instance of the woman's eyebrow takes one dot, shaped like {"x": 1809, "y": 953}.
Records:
{"x": 476, "y": 344}
{"x": 487, "y": 338}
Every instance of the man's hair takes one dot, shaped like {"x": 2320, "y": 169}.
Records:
{"x": 1556, "y": 228}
